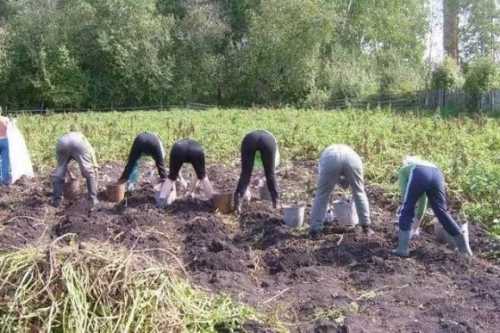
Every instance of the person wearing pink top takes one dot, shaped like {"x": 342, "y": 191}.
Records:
{"x": 4, "y": 152}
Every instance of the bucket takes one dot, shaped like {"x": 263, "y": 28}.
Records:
{"x": 115, "y": 192}
{"x": 172, "y": 196}
{"x": 71, "y": 188}
{"x": 293, "y": 216}
{"x": 345, "y": 212}
{"x": 223, "y": 202}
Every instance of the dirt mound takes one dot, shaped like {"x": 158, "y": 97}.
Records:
{"x": 343, "y": 281}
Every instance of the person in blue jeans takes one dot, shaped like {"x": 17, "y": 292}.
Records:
{"x": 4, "y": 152}
{"x": 426, "y": 178}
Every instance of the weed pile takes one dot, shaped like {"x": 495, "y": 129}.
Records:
{"x": 65, "y": 287}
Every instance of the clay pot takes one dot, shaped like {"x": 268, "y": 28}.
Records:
{"x": 115, "y": 192}
{"x": 223, "y": 202}
{"x": 293, "y": 216}
{"x": 71, "y": 188}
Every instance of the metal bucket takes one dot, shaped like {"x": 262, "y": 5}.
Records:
{"x": 223, "y": 202}
{"x": 345, "y": 212}
{"x": 293, "y": 216}
{"x": 115, "y": 192}
{"x": 71, "y": 188}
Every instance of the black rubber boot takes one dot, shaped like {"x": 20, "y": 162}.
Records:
{"x": 57, "y": 185}
{"x": 92, "y": 190}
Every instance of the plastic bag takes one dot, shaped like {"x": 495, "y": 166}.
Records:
{"x": 20, "y": 162}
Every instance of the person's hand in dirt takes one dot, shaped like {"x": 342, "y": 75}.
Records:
{"x": 165, "y": 193}
{"x": 207, "y": 187}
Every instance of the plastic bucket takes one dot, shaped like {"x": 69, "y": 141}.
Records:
{"x": 115, "y": 192}
{"x": 345, "y": 212}
{"x": 71, "y": 188}
{"x": 223, "y": 202}
{"x": 293, "y": 216}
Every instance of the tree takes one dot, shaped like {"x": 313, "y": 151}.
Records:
{"x": 480, "y": 33}
{"x": 87, "y": 53}
{"x": 447, "y": 75}
{"x": 482, "y": 76}
{"x": 283, "y": 50}
{"x": 451, "y": 9}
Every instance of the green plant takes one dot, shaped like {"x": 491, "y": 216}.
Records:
{"x": 101, "y": 289}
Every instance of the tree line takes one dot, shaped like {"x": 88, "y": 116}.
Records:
{"x": 113, "y": 53}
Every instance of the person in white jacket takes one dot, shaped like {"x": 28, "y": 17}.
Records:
{"x": 4, "y": 152}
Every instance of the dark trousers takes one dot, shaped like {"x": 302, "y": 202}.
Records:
{"x": 145, "y": 144}
{"x": 430, "y": 181}
{"x": 186, "y": 151}
{"x": 265, "y": 143}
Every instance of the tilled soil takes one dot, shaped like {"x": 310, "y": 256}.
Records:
{"x": 344, "y": 281}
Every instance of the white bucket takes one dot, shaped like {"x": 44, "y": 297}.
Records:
{"x": 293, "y": 216}
{"x": 345, "y": 212}
{"x": 171, "y": 196}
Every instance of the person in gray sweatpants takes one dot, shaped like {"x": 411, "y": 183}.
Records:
{"x": 74, "y": 146}
{"x": 339, "y": 164}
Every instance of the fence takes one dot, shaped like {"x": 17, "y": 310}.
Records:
{"x": 458, "y": 100}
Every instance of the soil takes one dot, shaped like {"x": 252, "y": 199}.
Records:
{"x": 344, "y": 281}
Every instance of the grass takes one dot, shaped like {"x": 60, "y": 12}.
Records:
{"x": 467, "y": 149}
{"x": 99, "y": 289}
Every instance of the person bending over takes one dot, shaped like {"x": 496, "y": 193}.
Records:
{"x": 186, "y": 151}
{"x": 258, "y": 146}
{"x": 145, "y": 144}
{"x": 425, "y": 178}
{"x": 74, "y": 146}
{"x": 421, "y": 206}
{"x": 339, "y": 164}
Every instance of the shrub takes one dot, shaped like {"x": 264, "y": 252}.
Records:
{"x": 482, "y": 76}
{"x": 447, "y": 75}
